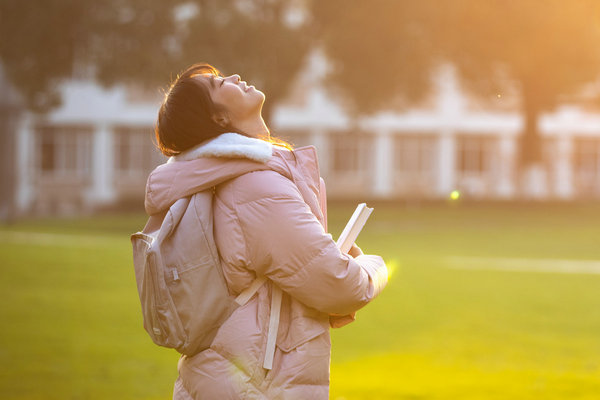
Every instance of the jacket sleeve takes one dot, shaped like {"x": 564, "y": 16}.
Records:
{"x": 285, "y": 242}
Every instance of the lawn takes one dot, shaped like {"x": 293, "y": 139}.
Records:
{"x": 72, "y": 325}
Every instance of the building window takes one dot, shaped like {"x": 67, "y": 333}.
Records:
{"x": 135, "y": 153}
{"x": 473, "y": 155}
{"x": 64, "y": 151}
{"x": 477, "y": 165}
{"x": 414, "y": 155}
{"x": 47, "y": 148}
{"x": 587, "y": 164}
{"x": 351, "y": 153}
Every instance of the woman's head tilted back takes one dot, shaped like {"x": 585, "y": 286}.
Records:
{"x": 201, "y": 104}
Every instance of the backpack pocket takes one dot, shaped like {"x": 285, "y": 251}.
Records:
{"x": 201, "y": 299}
{"x": 160, "y": 316}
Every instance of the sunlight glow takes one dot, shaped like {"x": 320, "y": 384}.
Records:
{"x": 392, "y": 267}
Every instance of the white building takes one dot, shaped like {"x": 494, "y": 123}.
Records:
{"x": 450, "y": 143}
{"x": 97, "y": 149}
{"x": 93, "y": 151}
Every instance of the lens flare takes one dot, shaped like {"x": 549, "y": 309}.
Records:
{"x": 455, "y": 195}
{"x": 392, "y": 267}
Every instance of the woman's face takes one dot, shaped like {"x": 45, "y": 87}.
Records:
{"x": 239, "y": 100}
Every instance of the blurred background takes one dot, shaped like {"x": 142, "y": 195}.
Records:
{"x": 472, "y": 126}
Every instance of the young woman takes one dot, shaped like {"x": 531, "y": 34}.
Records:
{"x": 269, "y": 220}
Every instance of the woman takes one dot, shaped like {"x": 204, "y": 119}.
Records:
{"x": 269, "y": 215}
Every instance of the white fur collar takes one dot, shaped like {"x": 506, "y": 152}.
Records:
{"x": 229, "y": 145}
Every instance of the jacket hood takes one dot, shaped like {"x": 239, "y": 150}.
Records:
{"x": 229, "y": 145}
{"x": 223, "y": 158}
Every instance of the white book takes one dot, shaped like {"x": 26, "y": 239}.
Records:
{"x": 353, "y": 227}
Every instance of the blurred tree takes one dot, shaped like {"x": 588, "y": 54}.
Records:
{"x": 382, "y": 52}
{"x": 265, "y": 41}
{"x": 45, "y": 41}
{"x": 386, "y": 49}
{"x": 546, "y": 49}
{"x": 147, "y": 42}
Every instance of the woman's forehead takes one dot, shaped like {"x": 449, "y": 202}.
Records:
{"x": 207, "y": 77}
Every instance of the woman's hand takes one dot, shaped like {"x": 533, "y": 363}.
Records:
{"x": 338, "y": 321}
{"x": 355, "y": 251}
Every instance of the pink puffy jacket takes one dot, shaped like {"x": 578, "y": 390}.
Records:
{"x": 269, "y": 220}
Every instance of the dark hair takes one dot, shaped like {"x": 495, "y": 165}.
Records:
{"x": 185, "y": 117}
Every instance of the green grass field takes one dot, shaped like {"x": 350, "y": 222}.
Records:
{"x": 72, "y": 329}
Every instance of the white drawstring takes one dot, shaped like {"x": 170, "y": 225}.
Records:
{"x": 276, "y": 296}
{"x": 273, "y": 327}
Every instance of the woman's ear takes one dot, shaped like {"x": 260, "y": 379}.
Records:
{"x": 221, "y": 119}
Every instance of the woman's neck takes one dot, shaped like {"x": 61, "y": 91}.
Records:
{"x": 255, "y": 127}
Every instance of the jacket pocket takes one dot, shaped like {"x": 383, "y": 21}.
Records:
{"x": 300, "y": 331}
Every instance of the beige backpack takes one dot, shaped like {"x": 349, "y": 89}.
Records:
{"x": 183, "y": 294}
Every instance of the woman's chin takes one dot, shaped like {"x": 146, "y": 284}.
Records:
{"x": 260, "y": 96}
{"x": 258, "y": 92}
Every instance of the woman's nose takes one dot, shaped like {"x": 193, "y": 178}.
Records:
{"x": 235, "y": 78}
